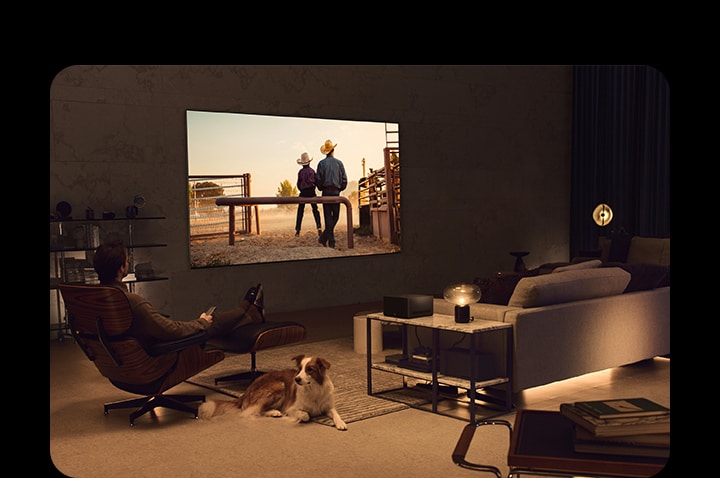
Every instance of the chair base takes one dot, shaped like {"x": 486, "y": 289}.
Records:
{"x": 146, "y": 404}
{"x": 248, "y": 376}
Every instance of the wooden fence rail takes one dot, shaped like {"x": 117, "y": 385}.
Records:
{"x": 254, "y": 201}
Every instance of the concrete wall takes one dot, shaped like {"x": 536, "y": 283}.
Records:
{"x": 485, "y": 168}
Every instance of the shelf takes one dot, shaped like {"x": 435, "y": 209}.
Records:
{"x": 83, "y": 249}
{"x": 54, "y": 281}
{"x": 441, "y": 378}
{"x": 146, "y": 279}
{"x": 79, "y": 221}
{"x": 70, "y": 237}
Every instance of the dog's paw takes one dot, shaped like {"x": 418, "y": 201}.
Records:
{"x": 340, "y": 425}
{"x": 303, "y": 416}
{"x": 273, "y": 413}
{"x": 206, "y": 409}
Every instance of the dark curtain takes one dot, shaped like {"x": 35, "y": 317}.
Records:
{"x": 620, "y": 152}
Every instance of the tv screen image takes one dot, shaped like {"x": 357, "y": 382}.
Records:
{"x": 254, "y": 161}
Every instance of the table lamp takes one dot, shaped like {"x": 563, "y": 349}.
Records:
{"x": 462, "y": 295}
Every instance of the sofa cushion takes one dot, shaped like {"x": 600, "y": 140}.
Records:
{"x": 569, "y": 286}
{"x": 665, "y": 281}
{"x": 644, "y": 276}
{"x": 619, "y": 247}
{"x": 649, "y": 250}
{"x": 548, "y": 267}
{"x": 578, "y": 266}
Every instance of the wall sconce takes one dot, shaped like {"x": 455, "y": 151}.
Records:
{"x": 462, "y": 295}
{"x": 602, "y": 215}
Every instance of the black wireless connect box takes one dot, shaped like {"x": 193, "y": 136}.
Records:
{"x": 408, "y": 306}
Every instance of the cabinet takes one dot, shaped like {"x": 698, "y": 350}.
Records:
{"x": 436, "y": 323}
{"x": 72, "y": 243}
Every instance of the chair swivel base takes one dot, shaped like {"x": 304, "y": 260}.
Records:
{"x": 146, "y": 404}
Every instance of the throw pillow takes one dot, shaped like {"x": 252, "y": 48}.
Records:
{"x": 644, "y": 276}
{"x": 497, "y": 290}
{"x": 579, "y": 265}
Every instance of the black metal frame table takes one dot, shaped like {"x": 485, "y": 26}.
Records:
{"x": 437, "y": 323}
{"x": 541, "y": 444}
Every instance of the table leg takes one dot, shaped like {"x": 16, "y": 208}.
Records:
{"x": 368, "y": 343}
{"x": 473, "y": 375}
{"x": 435, "y": 351}
{"x": 509, "y": 347}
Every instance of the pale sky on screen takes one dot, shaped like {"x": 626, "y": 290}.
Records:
{"x": 267, "y": 147}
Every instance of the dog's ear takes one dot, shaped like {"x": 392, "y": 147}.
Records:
{"x": 323, "y": 362}
{"x": 298, "y": 358}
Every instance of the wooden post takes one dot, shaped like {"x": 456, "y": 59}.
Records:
{"x": 231, "y": 238}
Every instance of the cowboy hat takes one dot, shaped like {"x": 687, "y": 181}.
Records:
{"x": 304, "y": 159}
{"x": 327, "y": 147}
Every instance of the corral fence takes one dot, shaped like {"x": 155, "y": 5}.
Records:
{"x": 379, "y": 198}
{"x": 208, "y": 219}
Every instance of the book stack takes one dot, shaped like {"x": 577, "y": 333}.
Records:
{"x": 627, "y": 426}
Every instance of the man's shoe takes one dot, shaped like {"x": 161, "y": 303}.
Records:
{"x": 256, "y": 297}
{"x": 323, "y": 242}
{"x": 251, "y": 295}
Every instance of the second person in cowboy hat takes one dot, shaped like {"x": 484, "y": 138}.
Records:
{"x": 306, "y": 184}
{"x": 331, "y": 180}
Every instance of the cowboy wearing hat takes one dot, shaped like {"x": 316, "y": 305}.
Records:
{"x": 331, "y": 179}
{"x": 306, "y": 184}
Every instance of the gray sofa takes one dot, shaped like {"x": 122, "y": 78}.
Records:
{"x": 582, "y": 317}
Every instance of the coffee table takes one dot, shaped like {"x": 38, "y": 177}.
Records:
{"x": 541, "y": 444}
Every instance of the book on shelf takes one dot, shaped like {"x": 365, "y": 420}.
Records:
{"x": 651, "y": 445}
{"x": 421, "y": 358}
{"x": 606, "y": 427}
{"x": 623, "y": 407}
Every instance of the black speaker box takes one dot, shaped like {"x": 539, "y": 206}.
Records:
{"x": 408, "y": 306}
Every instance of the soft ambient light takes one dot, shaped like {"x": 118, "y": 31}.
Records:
{"x": 602, "y": 215}
{"x": 462, "y": 295}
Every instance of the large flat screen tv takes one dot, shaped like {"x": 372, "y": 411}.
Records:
{"x": 252, "y": 162}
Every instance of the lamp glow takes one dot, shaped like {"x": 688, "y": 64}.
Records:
{"x": 602, "y": 215}
{"x": 462, "y": 295}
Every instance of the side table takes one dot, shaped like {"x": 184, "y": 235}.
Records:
{"x": 519, "y": 263}
{"x": 541, "y": 444}
{"x": 436, "y": 323}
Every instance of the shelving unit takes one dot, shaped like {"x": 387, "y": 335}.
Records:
{"x": 72, "y": 242}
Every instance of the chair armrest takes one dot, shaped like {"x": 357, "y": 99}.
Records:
{"x": 463, "y": 443}
{"x": 167, "y": 346}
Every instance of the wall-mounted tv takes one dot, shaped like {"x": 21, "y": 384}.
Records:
{"x": 243, "y": 188}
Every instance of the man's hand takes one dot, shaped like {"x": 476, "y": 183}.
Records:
{"x": 207, "y": 317}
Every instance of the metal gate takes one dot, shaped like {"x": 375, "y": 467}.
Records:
{"x": 206, "y": 218}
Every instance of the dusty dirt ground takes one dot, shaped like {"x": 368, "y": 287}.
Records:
{"x": 275, "y": 247}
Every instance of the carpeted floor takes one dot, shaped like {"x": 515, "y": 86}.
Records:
{"x": 347, "y": 370}
{"x": 84, "y": 442}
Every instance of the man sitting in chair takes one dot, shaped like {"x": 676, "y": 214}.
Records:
{"x": 111, "y": 262}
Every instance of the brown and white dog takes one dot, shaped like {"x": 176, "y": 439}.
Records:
{"x": 300, "y": 393}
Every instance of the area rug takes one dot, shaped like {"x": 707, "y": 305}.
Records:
{"x": 348, "y": 371}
